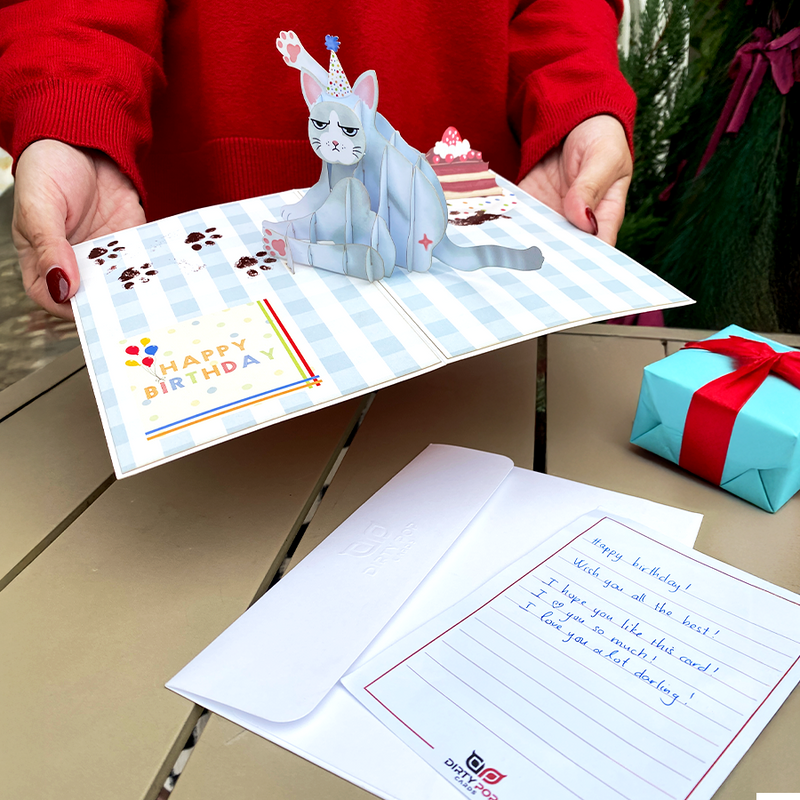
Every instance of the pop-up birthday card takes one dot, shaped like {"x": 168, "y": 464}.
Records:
{"x": 212, "y": 323}
{"x": 378, "y": 203}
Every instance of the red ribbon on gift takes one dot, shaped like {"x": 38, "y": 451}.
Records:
{"x": 715, "y": 406}
{"x": 748, "y": 69}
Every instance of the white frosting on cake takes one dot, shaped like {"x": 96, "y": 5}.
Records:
{"x": 456, "y": 150}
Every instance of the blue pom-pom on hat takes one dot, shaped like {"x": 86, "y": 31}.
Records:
{"x": 338, "y": 85}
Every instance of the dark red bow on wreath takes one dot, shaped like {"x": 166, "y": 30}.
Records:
{"x": 748, "y": 69}
{"x": 715, "y": 406}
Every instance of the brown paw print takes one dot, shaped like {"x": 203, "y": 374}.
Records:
{"x": 143, "y": 274}
{"x": 100, "y": 254}
{"x": 199, "y": 238}
{"x": 478, "y": 218}
{"x": 249, "y": 263}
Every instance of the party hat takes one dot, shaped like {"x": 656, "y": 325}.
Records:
{"x": 338, "y": 85}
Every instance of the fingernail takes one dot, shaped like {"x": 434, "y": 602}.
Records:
{"x": 57, "y": 284}
{"x": 592, "y": 220}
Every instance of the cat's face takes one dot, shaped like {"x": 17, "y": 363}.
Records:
{"x": 336, "y": 133}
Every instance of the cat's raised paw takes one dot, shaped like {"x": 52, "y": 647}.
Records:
{"x": 289, "y": 46}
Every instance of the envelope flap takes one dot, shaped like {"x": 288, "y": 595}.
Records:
{"x": 286, "y": 652}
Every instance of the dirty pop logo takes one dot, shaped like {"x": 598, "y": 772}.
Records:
{"x": 476, "y": 777}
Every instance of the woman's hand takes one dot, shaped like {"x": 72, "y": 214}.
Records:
{"x": 586, "y": 178}
{"x": 64, "y": 195}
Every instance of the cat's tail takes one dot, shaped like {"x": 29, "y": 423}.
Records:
{"x": 472, "y": 257}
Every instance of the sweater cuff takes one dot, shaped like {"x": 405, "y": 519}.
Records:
{"x": 82, "y": 115}
{"x": 554, "y": 122}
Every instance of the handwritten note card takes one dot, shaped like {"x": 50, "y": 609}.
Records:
{"x": 604, "y": 665}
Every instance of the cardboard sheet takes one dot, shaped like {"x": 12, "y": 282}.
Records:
{"x": 193, "y": 334}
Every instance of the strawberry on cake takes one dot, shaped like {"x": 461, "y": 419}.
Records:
{"x": 461, "y": 170}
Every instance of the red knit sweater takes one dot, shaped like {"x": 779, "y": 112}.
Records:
{"x": 195, "y": 104}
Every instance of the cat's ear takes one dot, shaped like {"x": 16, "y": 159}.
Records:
{"x": 312, "y": 88}
{"x": 366, "y": 89}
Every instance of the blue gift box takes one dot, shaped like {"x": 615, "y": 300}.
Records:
{"x": 763, "y": 460}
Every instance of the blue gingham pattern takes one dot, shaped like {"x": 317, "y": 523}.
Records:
{"x": 582, "y": 280}
{"x": 349, "y": 331}
{"x": 356, "y": 335}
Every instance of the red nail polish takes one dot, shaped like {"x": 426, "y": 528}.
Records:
{"x": 592, "y": 220}
{"x": 57, "y": 284}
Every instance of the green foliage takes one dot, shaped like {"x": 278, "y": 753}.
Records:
{"x": 656, "y": 69}
{"x": 726, "y": 237}
{"x": 718, "y": 243}
{"x": 669, "y": 85}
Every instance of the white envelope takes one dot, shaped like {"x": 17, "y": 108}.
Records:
{"x": 389, "y": 568}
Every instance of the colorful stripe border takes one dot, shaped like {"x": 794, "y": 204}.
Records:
{"x": 308, "y": 380}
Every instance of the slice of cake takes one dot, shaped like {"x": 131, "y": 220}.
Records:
{"x": 461, "y": 170}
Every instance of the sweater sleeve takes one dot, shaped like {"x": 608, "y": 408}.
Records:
{"x": 82, "y": 72}
{"x": 563, "y": 69}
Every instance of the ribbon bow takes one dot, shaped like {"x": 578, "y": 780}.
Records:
{"x": 715, "y": 406}
{"x": 748, "y": 69}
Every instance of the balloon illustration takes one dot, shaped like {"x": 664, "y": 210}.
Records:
{"x": 147, "y": 361}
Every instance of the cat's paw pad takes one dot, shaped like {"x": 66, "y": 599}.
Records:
{"x": 275, "y": 247}
{"x": 289, "y": 46}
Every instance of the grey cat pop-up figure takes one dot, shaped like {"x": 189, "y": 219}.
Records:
{"x": 378, "y": 203}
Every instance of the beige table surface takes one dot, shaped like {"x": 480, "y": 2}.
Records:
{"x": 108, "y": 588}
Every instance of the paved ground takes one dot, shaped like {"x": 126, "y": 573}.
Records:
{"x": 29, "y": 337}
